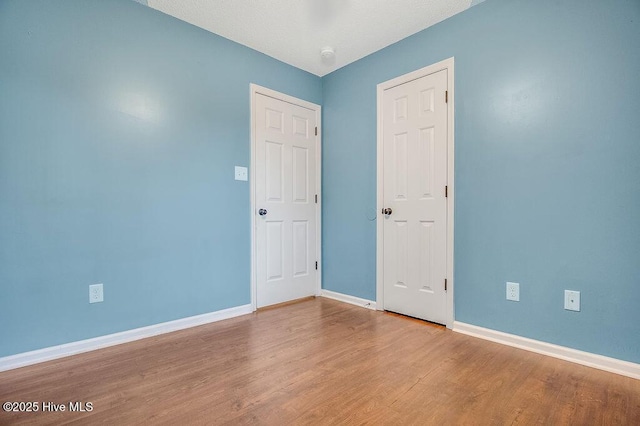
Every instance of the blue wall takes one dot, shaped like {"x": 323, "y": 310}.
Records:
{"x": 120, "y": 127}
{"x": 547, "y": 167}
{"x": 119, "y": 131}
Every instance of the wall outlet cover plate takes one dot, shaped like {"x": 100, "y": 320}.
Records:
{"x": 96, "y": 293}
{"x": 513, "y": 291}
{"x": 572, "y": 300}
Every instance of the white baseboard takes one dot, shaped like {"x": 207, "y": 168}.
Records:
{"x": 612, "y": 365}
{"x": 363, "y": 303}
{"x": 73, "y": 348}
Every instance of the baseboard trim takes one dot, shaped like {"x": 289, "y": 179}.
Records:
{"x": 363, "y": 303}
{"x": 54, "y": 352}
{"x": 612, "y": 365}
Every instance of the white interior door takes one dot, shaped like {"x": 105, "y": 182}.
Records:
{"x": 285, "y": 200}
{"x": 414, "y": 179}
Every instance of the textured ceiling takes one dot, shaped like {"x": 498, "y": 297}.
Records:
{"x": 294, "y": 31}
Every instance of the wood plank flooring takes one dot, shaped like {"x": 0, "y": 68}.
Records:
{"x": 321, "y": 362}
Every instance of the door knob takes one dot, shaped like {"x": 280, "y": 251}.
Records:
{"x": 262, "y": 212}
{"x": 387, "y": 211}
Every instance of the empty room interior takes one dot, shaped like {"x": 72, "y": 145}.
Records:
{"x": 320, "y": 212}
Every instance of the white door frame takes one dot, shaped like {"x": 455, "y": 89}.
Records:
{"x": 255, "y": 89}
{"x": 447, "y": 64}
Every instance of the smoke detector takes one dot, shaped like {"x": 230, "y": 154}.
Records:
{"x": 328, "y": 55}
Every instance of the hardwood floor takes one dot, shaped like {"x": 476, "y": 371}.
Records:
{"x": 321, "y": 362}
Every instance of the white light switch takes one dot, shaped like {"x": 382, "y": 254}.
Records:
{"x": 241, "y": 173}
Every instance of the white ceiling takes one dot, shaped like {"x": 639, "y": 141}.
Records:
{"x": 294, "y": 31}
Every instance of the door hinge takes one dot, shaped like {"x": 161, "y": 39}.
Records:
{"x": 316, "y": 130}
{"x": 316, "y": 264}
{"x": 446, "y": 96}
{"x": 445, "y": 284}
{"x": 316, "y": 198}
{"x": 446, "y": 191}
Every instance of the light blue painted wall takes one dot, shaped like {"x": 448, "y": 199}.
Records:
{"x": 119, "y": 131}
{"x": 546, "y": 157}
{"x": 547, "y": 175}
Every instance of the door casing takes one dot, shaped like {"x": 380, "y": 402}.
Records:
{"x": 254, "y": 89}
{"x": 447, "y": 64}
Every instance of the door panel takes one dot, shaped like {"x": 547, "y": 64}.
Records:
{"x": 300, "y": 247}
{"x": 274, "y": 171}
{"x": 300, "y": 174}
{"x": 285, "y": 177}
{"x": 414, "y": 179}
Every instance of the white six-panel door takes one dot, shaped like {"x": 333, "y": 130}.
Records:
{"x": 285, "y": 205}
{"x": 414, "y": 179}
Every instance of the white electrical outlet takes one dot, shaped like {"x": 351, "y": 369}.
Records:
{"x": 572, "y": 300}
{"x": 241, "y": 173}
{"x": 95, "y": 293}
{"x": 513, "y": 291}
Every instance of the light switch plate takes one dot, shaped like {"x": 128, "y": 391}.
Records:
{"x": 242, "y": 173}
